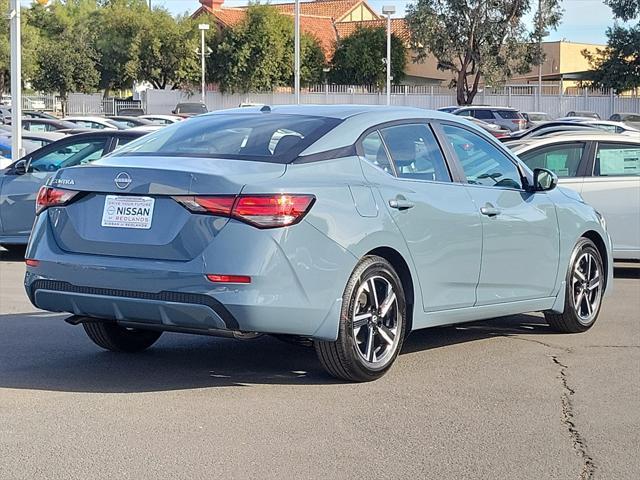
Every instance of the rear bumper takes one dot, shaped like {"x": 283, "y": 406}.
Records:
{"x": 297, "y": 279}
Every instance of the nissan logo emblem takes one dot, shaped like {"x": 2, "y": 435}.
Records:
{"x": 123, "y": 180}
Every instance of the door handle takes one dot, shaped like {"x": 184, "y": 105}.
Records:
{"x": 489, "y": 210}
{"x": 401, "y": 204}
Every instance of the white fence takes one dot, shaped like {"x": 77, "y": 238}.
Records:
{"x": 523, "y": 97}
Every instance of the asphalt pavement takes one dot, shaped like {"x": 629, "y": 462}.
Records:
{"x": 501, "y": 399}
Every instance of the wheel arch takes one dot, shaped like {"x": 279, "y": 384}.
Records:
{"x": 597, "y": 239}
{"x": 401, "y": 267}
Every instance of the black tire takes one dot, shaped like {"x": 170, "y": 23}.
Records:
{"x": 343, "y": 358}
{"x": 571, "y": 320}
{"x": 14, "y": 248}
{"x": 115, "y": 338}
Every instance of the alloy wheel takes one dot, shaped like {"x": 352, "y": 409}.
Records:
{"x": 376, "y": 321}
{"x": 586, "y": 284}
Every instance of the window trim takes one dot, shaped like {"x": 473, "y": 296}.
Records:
{"x": 462, "y": 177}
{"x": 429, "y": 124}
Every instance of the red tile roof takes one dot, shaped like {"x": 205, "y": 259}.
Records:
{"x": 335, "y": 9}
{"x": 322, "y": 28}
{"x": 398, "y": 26}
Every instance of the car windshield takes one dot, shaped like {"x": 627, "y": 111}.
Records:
{"x": 191, "y": 108}
{"x": 537, "y": 117}
{"x": 267, "y": 137}
{"x": 509, "y": 114}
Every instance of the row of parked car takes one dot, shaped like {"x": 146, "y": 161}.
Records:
{"x": 600, "y": 163}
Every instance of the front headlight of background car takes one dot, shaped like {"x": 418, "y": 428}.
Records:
{"x": 601, "y": 219}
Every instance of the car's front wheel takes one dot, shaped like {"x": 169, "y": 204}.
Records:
{"x": 372, "y": 324}
{"x": 116, "y": 338}
{"x": 583, "y": 293}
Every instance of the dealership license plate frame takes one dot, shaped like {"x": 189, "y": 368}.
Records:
{"x": 113, "y": 218}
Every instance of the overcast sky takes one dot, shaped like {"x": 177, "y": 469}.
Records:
{"x": 583, "y": 21}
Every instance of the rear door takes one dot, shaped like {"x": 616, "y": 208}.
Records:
{"x": 18, "y": 194}
{"x": 436, "y": 216}
{"x": 520, "y": 229}
{"x": 613, "y": 188}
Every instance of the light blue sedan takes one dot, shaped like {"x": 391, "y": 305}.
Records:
{"x": 349, "y": 226}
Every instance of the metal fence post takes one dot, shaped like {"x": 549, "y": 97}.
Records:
{"x": 509, "y": 96}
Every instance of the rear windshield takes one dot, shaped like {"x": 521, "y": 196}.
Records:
{"x": 537, "y": 117}
{"x": 266, "y": 137}
{"x": 509, "y": 114}
{"x": 191, "y": 108}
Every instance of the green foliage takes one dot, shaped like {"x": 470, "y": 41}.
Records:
{"x": 30, "y": 42}
{"x": 65, "y": 66}
{"x": 625, "y": 9}
{"x": 359, "y": 58}
{"x": 164, "y": 52}
{"x": 257, "y": 54}
{"x": 476, "y": 39}
{"x": 618, "y": 65}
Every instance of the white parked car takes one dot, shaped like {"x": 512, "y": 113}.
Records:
{"x": 605, "y": 169}
{"x": 162, "y": 119}
{"x": 93, "y": 122}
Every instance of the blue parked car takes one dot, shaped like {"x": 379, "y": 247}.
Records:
{"x": 349, "y": 226}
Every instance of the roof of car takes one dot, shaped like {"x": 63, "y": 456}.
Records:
{"x": 560, "y": 137}
{"x": 337, "y": 111}
{"x": 487, "y": 107}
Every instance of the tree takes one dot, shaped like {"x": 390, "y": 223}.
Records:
{"x": 164, "y": 52}
{"x": 66, "y": 66}
{"x": 257, "y": 54}
{"x": 359, "y": 58}
{"x": 618, "y": 65}
{"x": 118, "y": 26}
{"x": 475, "y": 39}
{"x": 30, "y": 42}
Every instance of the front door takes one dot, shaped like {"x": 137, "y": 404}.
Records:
{"x": 437, "y": 218}
{"x": 520, "y": 250}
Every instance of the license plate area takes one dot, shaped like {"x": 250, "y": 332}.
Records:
{"x": 128, "y": 212}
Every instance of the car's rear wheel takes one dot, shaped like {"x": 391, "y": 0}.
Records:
{"x": 583, "y": 292}
{"x": 372, "y": 324}
{"x": 116, "y": 338}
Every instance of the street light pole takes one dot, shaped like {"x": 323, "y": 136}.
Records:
{"x": 540, "y": 33}
{"x": 203, "y": 28}
{"x": 16, "y": 82}
{"x": 296, "y": 48}
{"x": 388, "y": 10}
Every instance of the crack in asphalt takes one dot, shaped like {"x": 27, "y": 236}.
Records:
{"x": 568, "y": 418}
{"x": 579, "y": 444}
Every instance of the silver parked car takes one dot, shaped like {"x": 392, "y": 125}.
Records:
{"x": 505, "y": 117}
{"x": 605, "y": 169}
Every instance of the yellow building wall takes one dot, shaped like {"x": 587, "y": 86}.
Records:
{"x": 359, "y": 14}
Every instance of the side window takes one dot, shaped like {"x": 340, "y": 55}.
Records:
{"x": 483, "y": 163}
{"x": 563, "y": 160}
{"x": 617, "y": 159}
{"x": 120, "y": 141}
{"x": 69, "y": 155}
{"x": 465, "y": 113}
{"x": 375, "y": 153}
{"x": 416, "y": 153}
{"x": 483, "y": 114}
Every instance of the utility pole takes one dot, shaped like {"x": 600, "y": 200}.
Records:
{"x": 388, "y": 10}
{"x": 296, "y": 54}
{"x": 540, "y": 33}
{"x": 203, "y": 28}
{"x": 16, "y": 81}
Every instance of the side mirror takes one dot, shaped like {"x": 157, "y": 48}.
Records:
{"x": 544, "y": 180}
{"x": 22, "y": 166}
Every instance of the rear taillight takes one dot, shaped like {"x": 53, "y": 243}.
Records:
{"x": 53, "y": 197}
{"x": 261, "y": 211}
